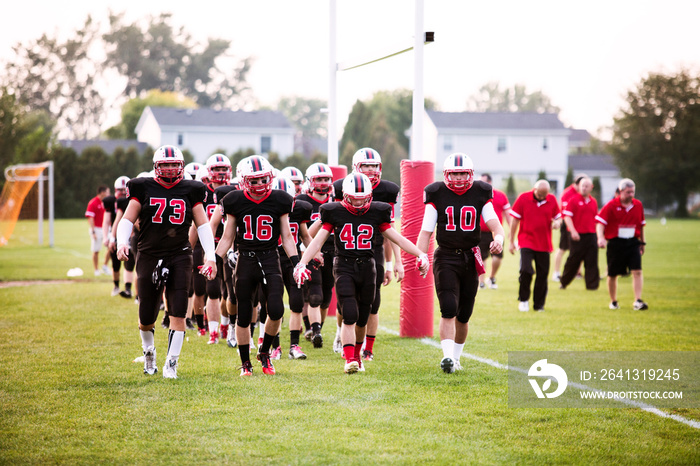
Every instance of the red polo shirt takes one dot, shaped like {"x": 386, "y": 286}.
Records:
{"x": 619, "y": 221}
{"x": 567, "y": 194}
{"x": 535, "y": 217}
{"x": 582, "y": 211}
{"x": 500, "y": 205}
{"x": 96, "y": 210}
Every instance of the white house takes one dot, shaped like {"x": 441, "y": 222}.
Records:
{"x": 502, "y": 144}
{"x": 205, "y": 131}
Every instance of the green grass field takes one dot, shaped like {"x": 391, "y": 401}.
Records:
{"x": 70, "y": 393}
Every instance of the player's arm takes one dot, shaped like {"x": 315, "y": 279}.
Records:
{"x": 288, "y": 243}
{"x": 106, "y": 222}
{"x": 126, "y": 225}
{"x": 315, "y": 227}
{"x": 113, "y": 235}
{"x": 192, "y": 235}
{"x": 491, "y": 219}
{"x": 600, "y": 233}
{"x": 426, "y": 230}
{"x": 314, "y": 246}
{"x": 514, "y": 224}
{"x": 409, "y": 247}
{"x": 206, "y": 239}
{"x": 227, "y": 237}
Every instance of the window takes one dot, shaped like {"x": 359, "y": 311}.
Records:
{"x": 502, "y": 144}
{"x": 447, "y": 143}
{"x": 265, "y": 144}
{"x": 180, "y": 139}
{"x": 545, "y": 144}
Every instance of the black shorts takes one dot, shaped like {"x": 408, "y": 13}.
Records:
{"x": 456, "y": 282}
{"x": 564, "y": 237}
{"x": 485, "y": 245}
{"x": 623, "y": 256}
{"x": 355, "y": 283}
{"x": 259, "y": 270}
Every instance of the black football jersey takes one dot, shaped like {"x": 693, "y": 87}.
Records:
{"x": 166, "y": 214}
{"x": 122, "y": 204}
{"x": 110, "y": 205}
{"x": 354, "y": 233}
{"x": 257, "y": 221}
{"x": 219, "y": 194}
{"x": 458, "y": 215}
{"x": 316, "y": 215}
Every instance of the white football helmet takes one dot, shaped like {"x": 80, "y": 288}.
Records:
{"x": 357, "y": 187}
{"x": 316, "y": 171}
{"x": 202, "y": 174}
{"x": 219, "y": 167}
{"x": 252, "y": 168}
{"x": 458, "y": 163}
{"x": 120, "y": 183}
{"x": 370, "y": 158}
{"x": 144, "y": 175}
{"x": 168, "y": 154}
{"x": 285, "y": 184}
{"x": 192, "y": 168}
{"x": 294, "y": 174}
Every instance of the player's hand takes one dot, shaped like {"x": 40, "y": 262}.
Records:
{"x": 387, "y": 277}
{"x": 423, "y": 264}
{"x": 398, "y": 271}
{"x": 602, "y": 243}
{"x": 123, "y": 252}
{"x": 208, "y": 269}
{"x": 575, "y": 236}
{"x": 511, "y": 247}
{"x": 301, "y": 274}
{"x": 232, "y": 258}
{"x": 319, "y": 258}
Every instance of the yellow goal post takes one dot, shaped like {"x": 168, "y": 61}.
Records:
{"x": 19, "y": 181}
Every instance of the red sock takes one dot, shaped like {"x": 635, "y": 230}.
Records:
{"x": 369, "y": 343}
{"x": 358, "y": 351}
{"x": 349, "y": 352}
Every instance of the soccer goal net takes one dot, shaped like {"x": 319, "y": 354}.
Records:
{"x": 20, "y": 179}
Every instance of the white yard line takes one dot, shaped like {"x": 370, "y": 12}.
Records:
{"x": 643, "y": 406}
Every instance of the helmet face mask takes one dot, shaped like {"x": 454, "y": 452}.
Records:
{"x": 255, "y": 175}
{"x": 219, "y": 167}
{"x": 369, "y": 162}
{"x": 458, "y": 172}
{"x": 357, "y": 193}
{"x": 169, "y": 165}
{"x": 295, "y": 175}
{"x": 120, "y": 184}
{"x": 320, "y": 178}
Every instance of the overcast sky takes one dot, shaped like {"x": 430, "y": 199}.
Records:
{"x": 583, "y": 55}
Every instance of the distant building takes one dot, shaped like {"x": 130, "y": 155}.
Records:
{"x": 204, "y": 131}
{"x": 107, "y": 145}
{"x": 579, "y": 139}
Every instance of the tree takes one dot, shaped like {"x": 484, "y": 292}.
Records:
{"x": 596, "y": 192}
{"x": 491, "y": 98}
{"x": 133, "y": 108}
{"x": 160, "y": 57}
{"x": 542, "y": 175}
{"x": 61, "y": 78}
{"x": 656, "y": 138}
{"x": 306, "y": 115}
{"x": 511, "y": 193}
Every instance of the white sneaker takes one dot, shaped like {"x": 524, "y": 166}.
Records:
{"x": 231, "y": 338}
{"x": 105, "y": 270}
{"x": 351, "y": 367}
{"x": 523, "y": 306}
{"x": 97, "y": 273}
{"x": 115, "y": 291}
{"x": 458, "y": 366}
{"x": 556, "y": 277}
{"x": 170, "y": 369}
{"x": 492, "y": 284}
{"x": 447, "y": 365}
{"x": 337, "y": 344}
{"x": 296, "y": 353}
{"x": 149, "y": 361}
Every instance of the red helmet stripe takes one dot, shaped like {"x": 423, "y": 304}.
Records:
{"x": 359, "y": 184}
{"x": 257, "y": 165}
{"x": 458, "y": 161}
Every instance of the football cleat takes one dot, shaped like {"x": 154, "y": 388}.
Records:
{"x": 213, "y": 338}
{"x": 125, "y": 294}
{"x": 231, "y": 340}
{"x": 458, "y": 365}
{"x": 115, "y": 291}
{"x": 351, "y": 367}
{"x": 149, "y": 361}
{"x": 492, "y": 284}
{"x": 447, "y": 365}
{"x": 260, "y": 341}
{"x": 337, "y": 344}
{"x": 556, "y": 276}
{"x": 246, "y": 369}
{"x": 361, "y": 366}
{"x": 189, "y": 325}
{"x": 296, "y": 353}
{"x": 367, "y": 355}
{"x": 202, "y": 331}
{"x": 523, "y": 306}
{"x": 224, "y": 331}
{"x": 308, "y": 334}
{"x": 317, "y": 340}
{"x": 165, "y": 323}
{"x": 170, "y": 369}
{"x": 614, "y": 305}
{"x": 276, "y": 353}
{"x": 105, "y": 270}
{"x": 640, "y": 305}
{"x": 267, "y": 366}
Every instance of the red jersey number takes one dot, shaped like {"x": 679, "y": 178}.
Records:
{"x": 467, "y": 218}
{"x": 262, "y": 230}
{"x": 363, "y": 240}
{"x": 178, "y": 206}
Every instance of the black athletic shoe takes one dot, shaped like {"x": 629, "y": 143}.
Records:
{"x": 166, "y": 321}
{"x": 317, "y": 340}
{"x": 189, "y": 324}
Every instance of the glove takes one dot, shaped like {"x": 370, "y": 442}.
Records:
{"x": 232, "y": 258}
{"x": 301, "y": 274}
{"x": 315, "y": 264}
{"x": 423, "y": 264}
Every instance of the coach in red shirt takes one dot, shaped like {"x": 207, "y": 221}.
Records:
{"x": 621, "y": 227}
{"x": 579, "y": 215}
{"x": 535, "y": 212}
{"x": 95, "y": 214}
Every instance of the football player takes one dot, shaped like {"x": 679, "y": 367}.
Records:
{"x": 456, "y": 206}
{"x": 256, "y": 217}
{"x": 108, "y": 233}
{"x": 219, "y": 174}
{"x": 165, "y": 207}
{"x": 294, "y": 174}
{"x": 354, "y": 221}
{"x": 369, "y": 162}
{"x": 319, "y": 291}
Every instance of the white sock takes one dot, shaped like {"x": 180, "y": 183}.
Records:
{"x": 147, "y": 339}
{"x": 447, "y": 348}
{"x": 225, "y": 320}
{"x": 213, "y": 326}
{"x": 458, "y": 350}
{"x": 261, "y": 329}
{"x": 175, "y": 339}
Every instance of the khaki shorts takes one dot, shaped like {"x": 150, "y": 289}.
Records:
{"x": 96, "y": 241}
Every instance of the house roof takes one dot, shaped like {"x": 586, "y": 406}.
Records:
{"x": 167, "y": 116}
{"x": 496, "y": 120}
{"x": 592, "y": 162}
{"x": 108, "y": 145}
{"x": 579, "y": 136}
